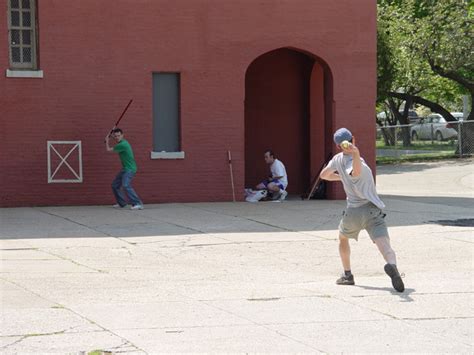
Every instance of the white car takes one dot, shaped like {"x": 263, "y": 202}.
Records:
{"x": 433, "y": 127}
{"x": 459, "y": 116}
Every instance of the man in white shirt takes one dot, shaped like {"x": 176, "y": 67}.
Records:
{"x": 277, "y": 181}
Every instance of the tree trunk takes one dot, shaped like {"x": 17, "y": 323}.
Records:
{"x": 467, "y": 129}
{"x": 388, "y": 136}
{"x": 406, "y": 136}
{"x": 433, "y": 106}
{"x": 402, "y": 118}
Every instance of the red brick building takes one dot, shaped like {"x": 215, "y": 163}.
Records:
{"x": 206, "y": 77}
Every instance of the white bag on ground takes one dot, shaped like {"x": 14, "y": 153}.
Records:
{"x": 254, "y": 196}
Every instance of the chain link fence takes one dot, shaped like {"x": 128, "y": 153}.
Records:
{"x": 425, "y": 139}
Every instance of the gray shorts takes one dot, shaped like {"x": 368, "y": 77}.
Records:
{"x": 368, "y": 217}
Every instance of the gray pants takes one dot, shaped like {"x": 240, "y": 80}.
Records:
{"x": 368, "y": 217}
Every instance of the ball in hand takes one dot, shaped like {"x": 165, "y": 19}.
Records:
{"x": 345, "y": 144}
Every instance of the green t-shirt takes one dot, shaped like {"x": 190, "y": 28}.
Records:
{"x": 126, "y": 155}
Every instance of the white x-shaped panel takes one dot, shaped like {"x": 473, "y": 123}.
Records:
{"x": 53, "y": 151}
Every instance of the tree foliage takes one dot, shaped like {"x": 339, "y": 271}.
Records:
{"x": 426, "y": 49}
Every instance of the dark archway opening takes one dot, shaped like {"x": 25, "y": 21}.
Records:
{"x": 287, "y": 110}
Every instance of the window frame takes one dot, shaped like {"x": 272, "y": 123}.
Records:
{"x": 179, "y": 153}
{"x": 34, "y": 64}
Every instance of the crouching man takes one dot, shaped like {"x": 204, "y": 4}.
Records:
{"x": 277, "y": 181}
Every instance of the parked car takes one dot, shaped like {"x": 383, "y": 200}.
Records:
{"x": 433, "y": 127}
{"x": 459, "y": 116}
{"x": 412, "y": 116}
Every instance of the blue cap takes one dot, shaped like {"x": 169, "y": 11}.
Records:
{"x": 341, "y": 135}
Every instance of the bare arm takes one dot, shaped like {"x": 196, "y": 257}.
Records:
{"x": 329, "y": 174}
{"x": 356, "y": 162}
{"x": 107, "y": 146}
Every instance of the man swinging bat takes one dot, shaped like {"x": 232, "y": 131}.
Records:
{"x": 123, "y": 180}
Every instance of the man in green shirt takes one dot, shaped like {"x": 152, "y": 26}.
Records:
{"x": 123, "y": 180}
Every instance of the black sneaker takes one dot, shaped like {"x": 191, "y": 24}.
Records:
{"x": 397, "y": 282}
{"x": 346, "y": 280}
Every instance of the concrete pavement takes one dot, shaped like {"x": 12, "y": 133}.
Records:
{"x": 241, "y": 277}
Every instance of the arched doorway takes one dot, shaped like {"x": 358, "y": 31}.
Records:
{"x": 286, "y": 109}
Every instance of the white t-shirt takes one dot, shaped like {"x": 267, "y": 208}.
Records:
{"x": 278, "y": 169}
{"x": 359, "y": 190}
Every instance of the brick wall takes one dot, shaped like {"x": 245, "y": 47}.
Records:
{"x": 96, "y": 55}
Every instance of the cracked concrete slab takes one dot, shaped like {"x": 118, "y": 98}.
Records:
{"x": 240, "y": 277}
{"x": 26, "y": 254}
{"x": 17, "y": 298}
{"x": 41, "y": 266}
{"x": 52, "y": 320}
{"x": 293, "y": 310}
{"x": 69, "y": 343}
{"x": 143, "y": 229}
{"x": 420, "y": 306}
{"x": 223, "y": 339}
{"x": 387, "y": 336}
{"x": 157, "y": 314}
{"x": 457, "y": 330}
{"x": 80, "y": 240}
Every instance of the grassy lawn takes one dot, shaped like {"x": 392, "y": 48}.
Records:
{"x": 421, "y": 145}
{"x": 416, "y": 158}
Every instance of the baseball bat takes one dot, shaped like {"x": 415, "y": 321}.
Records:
{"x": 123, "y": 113}
{"x": 231, "y": 175}
{"x": 121, "y": 116}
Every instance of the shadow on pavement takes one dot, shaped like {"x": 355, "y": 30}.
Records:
{"x": 233, "y": 220}
{"x": 463, "y": 202}
{"x": 405, "y": 295}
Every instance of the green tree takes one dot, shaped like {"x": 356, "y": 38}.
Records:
{"x": 427, "y": 47}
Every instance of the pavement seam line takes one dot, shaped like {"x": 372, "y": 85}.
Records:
{"x": 26, "y": 336}
{"x": 73, "y": 261}
{"x": 82, "y": 225}
{"x": 76, "y": 313}
{"x": 278, "y": 227}
{"x": 404, "y": 320}
{"x": 367, "y": 308}
{"x": 261, "y": 325}
{"x": 260, "y": 222}
{"x": 22, "y": 337}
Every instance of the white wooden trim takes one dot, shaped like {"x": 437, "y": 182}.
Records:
{"x": 24, "y": 73}
{"x": 167, "y": 155}
{"x": 78, "y": 175}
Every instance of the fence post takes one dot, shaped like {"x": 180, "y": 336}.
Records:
{"x": 432, "y": 141}
{"x": 460, "y": 138}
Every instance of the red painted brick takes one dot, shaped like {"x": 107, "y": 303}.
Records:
{"x": 96, "y": 55}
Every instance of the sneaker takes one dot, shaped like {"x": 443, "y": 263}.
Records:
{"x": 392, "y": 271}
{"x": 137, "y": 207}
{"x": 273, "y": 196}
{"x": 283, "y": 195}
{"x": 119, "y": 206}
{"x": 346, "y": 280}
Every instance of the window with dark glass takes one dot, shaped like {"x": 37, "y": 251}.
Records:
{"x": 166, "y": 112}
{"x": 22, "y": 34}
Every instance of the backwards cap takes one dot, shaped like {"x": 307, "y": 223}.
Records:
{"x": 341, "y": 135}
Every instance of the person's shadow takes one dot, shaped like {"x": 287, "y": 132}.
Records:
{"x": 405, "y": 295}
